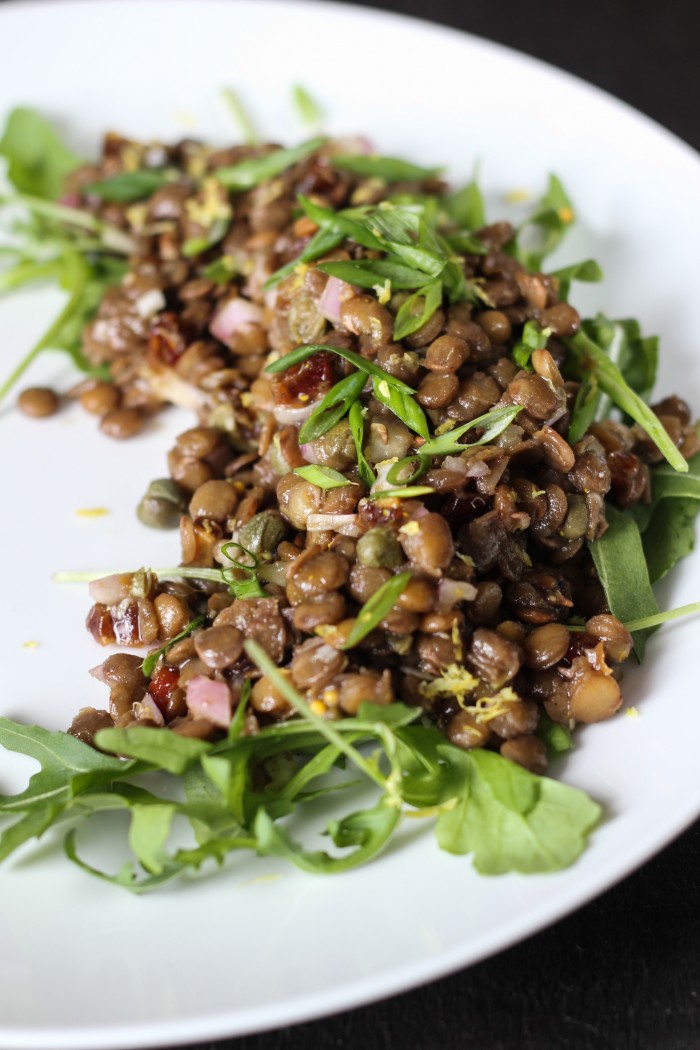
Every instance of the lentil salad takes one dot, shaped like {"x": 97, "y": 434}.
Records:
{"x": 396, "y": 490}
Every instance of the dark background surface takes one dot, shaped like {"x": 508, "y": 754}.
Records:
{"x": 623, "y": 972}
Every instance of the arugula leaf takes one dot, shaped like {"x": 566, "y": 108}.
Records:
{"x": 466, "y": 207}
{"x": 324, "y": 477}
{"x": 667, "y": 523}
{"x": 87, "y": 286}
{"x": 622, "y": 569}
{"x": 129, "y": 186}
{"x": 161, "y": 748}
{"x": 591, "y": 358}
{"x": 356, "y": 420}
{"x": 510, "y": 819}
{"x": 391, "y": 169}
{"x": 494, "y": 423}
{"x": 588, "y": 270}
{"x": 548, "y": 224}
{"x": 250, "y": 173}
{"x": 369, "y": 830}
{"x": 38, "y": 162}
{"x": 68, "y": 766}
{"x": 377, "y": 607}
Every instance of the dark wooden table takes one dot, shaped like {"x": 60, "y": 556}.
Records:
{"x": 624, "y": 972}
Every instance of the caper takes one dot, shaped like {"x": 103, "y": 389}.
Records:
{"x": 162, "y": 505}
{"x": 263, "y": 533}
{"x": 379, "y": 548}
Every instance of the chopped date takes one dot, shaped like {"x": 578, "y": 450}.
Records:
{"x": 304, "y": 382}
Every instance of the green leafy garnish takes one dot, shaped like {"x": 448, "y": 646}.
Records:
{"x": 331, "y": 409}
{"x": 324, "y": 477}
{"x": 368, "y": 273}
{"x": 590, "y": 358}
{"x": 241, "y": 117}
{"x": 393, "y": 393}
{"x": 546, "y": 227}
{"x": 356, "y": 420}
{"x": 149, "y": 664}
{"x": 418, "y": 309}
{"x": 493, "y": 422}
{"x": 391, "y": 169}
{"x": 377, "y": 608}
{"x": 129, "y": 186}
{"x": 86, "y": 285}
{"x": 417, "y": 462}
{"x": 38, "y": 162}
{"x": 667, "y": 522}
{"x": 249, "y": 173}
{"x": 466, "y": 206}
{"x": 242, "y": 578}
{"x": 407, "y": 492}
{"x": 533, "y": 338}
{"x": 588, "y": 270}
{"x": 622, "y": 570}
{"x": 307, "y": 107}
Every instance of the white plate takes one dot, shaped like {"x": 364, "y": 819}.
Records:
{"x": 85, "y": 965}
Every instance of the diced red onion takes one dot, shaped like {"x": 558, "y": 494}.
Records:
{"x": 150, "y": 303}
{"x": 70, "y": 200}
{"x": 168, "y": 386}
{"x": 234, "y": 314}
{"x": 334, "y": 295}
{"x": 210, "y": 700}
{"x": 476, "y": 468}
{"x": 354, "y": 144}
{"x": 452, "y": 591}
{"x": 148, "y": 709}
{"x": 456, "y": 464}
{"x": 109, "y": 590}
{"x": 286, "y": 416}
{"x": 345, "y": 524}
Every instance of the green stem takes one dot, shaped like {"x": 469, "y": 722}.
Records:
{"x": 662, "y": 617}
{"x": 259, "y": 657}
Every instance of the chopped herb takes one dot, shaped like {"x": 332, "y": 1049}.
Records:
{"x": 307, "y": 107}
{"x": 549, "y": 222}
{"x": 197, "y": 245}
{"x": 466, "y": 207}
{"x": 588, "y": 270}
{"x": 417, "y": 310}
{"x": 221, "y": 270}
{"x": 249, "y": 173}
{"x": 493, "y": 422}
{"x": 324, "y": 477}
{"x": 129, "y": 186}
{"x": 241, "y": 117}
{"x": 401, "y": 404}
{"x": 302, "y": 352}
{"x": 367, "y": 273}
{"x": 331, "y": 409}
{"x": 657, "y": 619}
{"x": 377, "y": 608}
{"x": 533, "y": 338}
{"x": 391, "y": 169}
{"x": 149, "y": 664}
{"x": 356, "y": 420}
{"x": 249, "y": 586}
{"x": 408, "y": 492}
{"x": 591, "y": 358}
{"x": 422, "y": 463}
